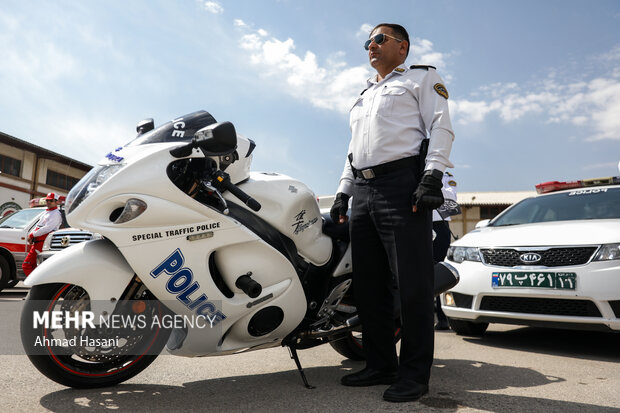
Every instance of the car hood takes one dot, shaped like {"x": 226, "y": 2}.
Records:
{"x": 586, "y": 232}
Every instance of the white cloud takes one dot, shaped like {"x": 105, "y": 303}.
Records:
{"x": 213, "y": 7}
{"x": 364, "y": 30}
{"x": 422, "y": 52}
{"x": 594, "y": 104}
{"x": 239, "y": 23}
{"x": 469, "y": 111}
{"x": 333, "y": 83}
{"x": 329, "y": 86}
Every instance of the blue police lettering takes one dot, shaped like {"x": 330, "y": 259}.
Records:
{"x": 184, "y": 297}
{"x": 180, "y": 281}
{"x": 182, "y": 284}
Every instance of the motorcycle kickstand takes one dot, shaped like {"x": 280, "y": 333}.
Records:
{"x": 293, "y": 352}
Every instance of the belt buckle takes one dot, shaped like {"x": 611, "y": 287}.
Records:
{"x": 368, "y": 173}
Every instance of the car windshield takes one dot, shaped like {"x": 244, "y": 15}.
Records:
{"x": 587, "y": 203}
{"x": 19, "y": 219}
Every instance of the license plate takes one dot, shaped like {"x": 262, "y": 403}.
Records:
{"x": 551, "y": 280}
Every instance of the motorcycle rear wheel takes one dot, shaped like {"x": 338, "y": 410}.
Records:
{"x": 79, "y": 367}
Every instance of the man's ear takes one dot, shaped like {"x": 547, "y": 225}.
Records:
{"x": 404, "y": 45}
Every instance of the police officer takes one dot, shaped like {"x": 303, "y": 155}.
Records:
{"x": 391, "y": 211}
{"x": 50, "y": 221}
{"x": 441, "y": 243}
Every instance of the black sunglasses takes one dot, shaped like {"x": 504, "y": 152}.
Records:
{"x": 379, "y": 39}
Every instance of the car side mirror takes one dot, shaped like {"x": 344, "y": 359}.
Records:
{"x": 216, "y": 139}
{"x": 483, "y": 223}
{"x": 145, "y": 125}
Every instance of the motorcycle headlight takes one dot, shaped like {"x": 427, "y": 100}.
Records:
{"x": 608, "y": 252}
{"x": 89, "y": 184}
{"x": 460, "y": 254}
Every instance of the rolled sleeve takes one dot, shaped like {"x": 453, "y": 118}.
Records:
{"x": 346, "y": 179}
{"x": 436, "y": 117}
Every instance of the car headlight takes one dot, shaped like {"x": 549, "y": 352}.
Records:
{"x": 460, "y": 254}
{"x": 89, "y": 184}
{"x": 48, "y": 242}
{"x": 608, "y": 252}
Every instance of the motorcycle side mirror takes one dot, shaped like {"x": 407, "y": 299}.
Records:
{"x": 145, "y": 125}
{"x": 217, "y": 139}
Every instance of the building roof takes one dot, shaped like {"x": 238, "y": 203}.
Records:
{"x": 492, "y": 198}
{"x": 42, "y": 152}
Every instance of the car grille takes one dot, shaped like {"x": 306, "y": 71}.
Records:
{"x": 546, "y": 306}
{"x": 615, "y": 306}
{"x": 66, "y": 239}
{"x": 552, "y": 257}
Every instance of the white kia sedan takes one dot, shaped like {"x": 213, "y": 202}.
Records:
{"x": 551, "y": 260}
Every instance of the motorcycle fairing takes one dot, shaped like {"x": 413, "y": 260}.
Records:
{"x": 73, "y": 266}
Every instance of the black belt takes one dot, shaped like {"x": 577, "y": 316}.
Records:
{"x": 385, "y": 168}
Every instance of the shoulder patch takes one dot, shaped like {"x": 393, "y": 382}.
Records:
{"x": 425, "y": 67}
{"x": 441, "y": 90}
{"x": 452, "y": 183}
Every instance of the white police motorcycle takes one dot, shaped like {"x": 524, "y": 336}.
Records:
{"x": 199, "y": 255}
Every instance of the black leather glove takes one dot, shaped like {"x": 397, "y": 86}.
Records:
{"x": 428, "y": 195}
{"x": 340, "y": 207}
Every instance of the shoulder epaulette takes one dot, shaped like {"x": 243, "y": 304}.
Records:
{"x": 425, "y": 67}
{"x": 363, "y": 91}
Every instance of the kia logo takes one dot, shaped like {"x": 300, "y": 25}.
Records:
{"x": 530, "y": 257}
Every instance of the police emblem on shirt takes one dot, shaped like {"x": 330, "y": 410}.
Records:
{"x": 441, "y": 90}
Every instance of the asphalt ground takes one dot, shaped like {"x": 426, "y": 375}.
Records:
{"x": 510, "y": 369}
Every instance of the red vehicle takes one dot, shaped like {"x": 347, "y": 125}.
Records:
{"x": 14, "y": 229}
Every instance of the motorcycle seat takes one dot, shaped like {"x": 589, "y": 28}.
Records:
{"x": 335, "y": 231}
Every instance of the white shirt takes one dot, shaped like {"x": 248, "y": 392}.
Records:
{"x": 50, "y": 221}
{"x": 391, "y": 118}
{"x": 449, "y": 192}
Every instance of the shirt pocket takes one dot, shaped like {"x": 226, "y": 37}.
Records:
{"x": 389, "y": 98}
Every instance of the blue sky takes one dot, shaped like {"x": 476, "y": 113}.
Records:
{"x": 534, "y": 85}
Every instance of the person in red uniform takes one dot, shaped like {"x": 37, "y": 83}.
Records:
{"x": 49, "y": 222}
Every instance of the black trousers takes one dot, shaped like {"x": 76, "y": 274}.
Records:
{"x": 389, "y": 242}
{"x": 440, "y": 249}
{"x": 442, "y": 240}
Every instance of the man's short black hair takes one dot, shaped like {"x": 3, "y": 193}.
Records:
{"x": 399, "y": 32}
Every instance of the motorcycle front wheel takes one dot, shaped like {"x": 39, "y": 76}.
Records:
{"x": 78, "y": 356}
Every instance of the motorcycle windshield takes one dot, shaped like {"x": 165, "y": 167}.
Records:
{"x": 181, "y": 129}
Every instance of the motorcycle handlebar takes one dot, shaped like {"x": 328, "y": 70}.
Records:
{"x": 243, "y": 197}
{"x": 252, "y": 203}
